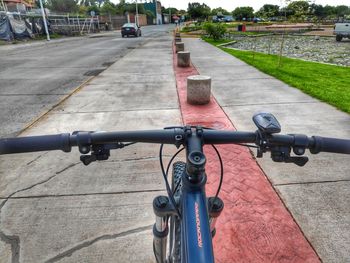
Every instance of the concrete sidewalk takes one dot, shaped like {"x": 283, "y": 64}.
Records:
{"x": 318, "y": 194}
{"x": 54, "y": 209}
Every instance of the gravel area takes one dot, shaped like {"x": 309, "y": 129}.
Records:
{"x": 313, "y": 48}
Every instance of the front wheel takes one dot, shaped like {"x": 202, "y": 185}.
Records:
{"x": 338, "y": 38}
{"x": 175, "y": 224}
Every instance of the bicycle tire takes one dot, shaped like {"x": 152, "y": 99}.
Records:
{"x": 175, "y": 224}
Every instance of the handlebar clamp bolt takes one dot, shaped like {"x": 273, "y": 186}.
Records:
{"x": 298, "y": 150}
{"x": 161, "y": 201}
{"x": 84, "y": 149}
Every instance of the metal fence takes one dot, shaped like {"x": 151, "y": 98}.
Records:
{"x": 67, "y": 25}
{"x": 19, "y": 26}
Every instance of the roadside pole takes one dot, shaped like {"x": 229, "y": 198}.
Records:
{"x": 3, "y": 5}
{"x": 44, "y": 19}
{"x": 137, "y": 15}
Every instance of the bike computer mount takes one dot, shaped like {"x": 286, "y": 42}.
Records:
{"x": 267, "y": 125}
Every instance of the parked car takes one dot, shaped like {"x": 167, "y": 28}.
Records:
{"x": 218, "y": 19}
{"x": 228, "y": 18}
{"x": 131, "y": 29}
{"x": 341, "y": 30}
{"x": 222, "y": 18}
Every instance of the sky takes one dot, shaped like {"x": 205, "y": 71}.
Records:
{"x": 232, "y": 4}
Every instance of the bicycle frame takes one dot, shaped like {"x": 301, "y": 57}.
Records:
{"x": 196, "y": 238}
{"x": 196, "y": 231}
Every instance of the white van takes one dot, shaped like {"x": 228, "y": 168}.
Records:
{"x": 341, "y": 30}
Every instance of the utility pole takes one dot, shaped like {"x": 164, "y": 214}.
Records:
{"x": 3, "y": 5}
{"x": 169, "y": 14}
{"x": 137, "y": 15}
{"x": 44, "y": 19}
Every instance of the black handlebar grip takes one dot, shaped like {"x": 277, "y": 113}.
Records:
{"x": 332, "y": 145}
{"x": 35, "y": 144}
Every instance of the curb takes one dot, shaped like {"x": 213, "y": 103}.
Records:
{"x": 63, "y": 99}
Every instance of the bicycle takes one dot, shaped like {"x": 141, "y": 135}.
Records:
{"x": 186, "y": 215}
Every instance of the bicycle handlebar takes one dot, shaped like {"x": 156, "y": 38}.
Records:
{"x": 175, "y": 136}
{"x": 35, "y": 144}
{"x": 332, "y": 145}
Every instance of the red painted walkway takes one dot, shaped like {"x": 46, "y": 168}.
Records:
{"x": 255, "y": 226}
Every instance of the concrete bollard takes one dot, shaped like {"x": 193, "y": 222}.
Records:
{"x": 198, "y": 89}
{"x": 177, "y": 39}
{"x": 177, "y": 34}
{"x": 180, "y": 46}
{"x": 183, "y": 59}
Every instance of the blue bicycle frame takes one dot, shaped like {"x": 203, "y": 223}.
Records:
{"x": 196, "y": 238}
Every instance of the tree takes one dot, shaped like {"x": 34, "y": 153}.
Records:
{"x": 219, "y": 10}
{"x": 285, "y": 12}
{"x": 318, "y": 11}
{"x": 82, "y": 10}
{"x": 108, "y": 8}
{"x": 268, "y": 11}
{"x": 131, "y": 8}
{"x": 63, "y": 6}
{"x": 91, "y": 2}
{"x": 120, "y": 7}
{"x": 93, "y": 8}
{"x": 329, "y": 11}
{"x": 342, "y": 11}
{"x": 299, "y": 9}
{"x": 198, "y": 11}
{"x": 243, "y": 13}
{"x": 172, "y": 10}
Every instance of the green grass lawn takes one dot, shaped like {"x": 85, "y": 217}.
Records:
{"x": 328, "y": 83}
{"x": 216, "y": 42}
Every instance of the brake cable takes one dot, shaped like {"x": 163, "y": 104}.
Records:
{"x": 170, "y": 194}
{"x": 221, "y": 172}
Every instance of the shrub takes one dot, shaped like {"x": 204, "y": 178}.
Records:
{"x": 214, "y": 31}
{"x": 191, "y": 28}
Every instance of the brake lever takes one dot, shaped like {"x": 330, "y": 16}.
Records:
{"x": 282, "y": 154}
{"x": 298, "y": 160}
{"x": 87, "y": 159}
{"x": 100, "y": 152}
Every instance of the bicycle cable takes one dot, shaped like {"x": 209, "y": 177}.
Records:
{"x": 170, "y": 194}
{"x": 172, "y": 159}
{"x": 174, "y": 190}
{"x": 221, "y": 171}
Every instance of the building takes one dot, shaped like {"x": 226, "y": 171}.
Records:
{"x": 18, "y": 5}
{"x": 156, "y": 8}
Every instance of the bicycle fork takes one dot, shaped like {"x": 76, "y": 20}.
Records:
{"x": 163, "y": 210}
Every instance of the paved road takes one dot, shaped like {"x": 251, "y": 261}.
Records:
{"x": 36, "y": 76}
{"x": 55, "y": 209}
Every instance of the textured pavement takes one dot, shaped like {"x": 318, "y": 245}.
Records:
{"x": 254, "y": 226}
